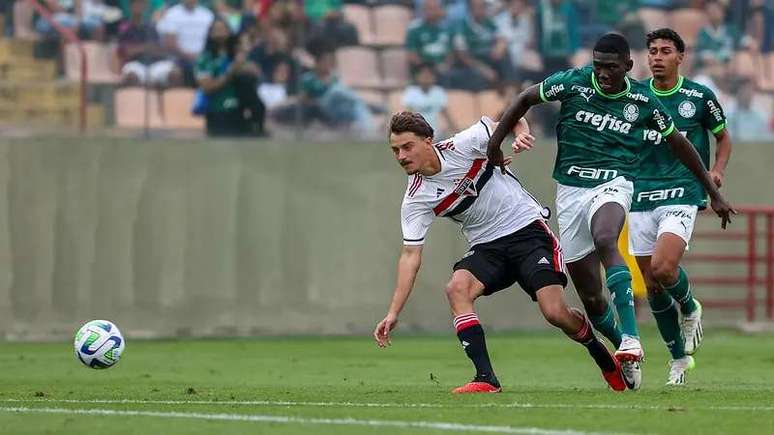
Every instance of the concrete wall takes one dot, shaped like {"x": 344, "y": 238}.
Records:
{"x": 177, "y": 238}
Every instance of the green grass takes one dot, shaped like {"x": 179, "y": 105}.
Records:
{"x": 731, "y": 391}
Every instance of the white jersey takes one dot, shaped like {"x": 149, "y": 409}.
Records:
{"x": 485, "y": 202}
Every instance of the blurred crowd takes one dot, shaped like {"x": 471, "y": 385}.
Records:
{"x": 253, "y": 59}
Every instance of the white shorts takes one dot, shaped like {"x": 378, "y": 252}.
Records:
{"x": 575, "y": 206}
{"x": 645, "y": 227}
{"x": 156, "y": 73}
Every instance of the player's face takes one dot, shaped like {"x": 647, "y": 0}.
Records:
{"x": 610, "y": 70}
{"x": 663, "y": 58}
{"x": 411, "y": 151}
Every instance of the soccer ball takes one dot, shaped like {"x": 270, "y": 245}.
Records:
{"x": 99, "y": 344}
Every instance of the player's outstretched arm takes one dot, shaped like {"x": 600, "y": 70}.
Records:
{"x": 722, "y": 156}
{"x": 408, "y": 266}
{"x": 526, "y": 99}
{"x": 687, "y": 154}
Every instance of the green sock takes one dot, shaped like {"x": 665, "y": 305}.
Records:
{"x": 619, "y": 281}
{"x": 681, "y": 291}
{"x": 663, "y": 307}
{"x": 606, "y": 326}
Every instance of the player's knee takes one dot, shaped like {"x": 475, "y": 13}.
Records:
{"x": 665, "y": 272}
{"x": 606, "y": 241}
{"x": 556, "y": 313}
{"x": 457, "y": 290}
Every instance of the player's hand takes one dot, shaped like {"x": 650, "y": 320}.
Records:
{"x": 496, "y": 158}
{"x": 383, "y": 328}
{"x": 523, "y": 142}
{"x": 717, "y": 177}
{"x": 723, "y": 210}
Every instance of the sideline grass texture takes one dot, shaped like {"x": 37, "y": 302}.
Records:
{"x": 549, "y": 384}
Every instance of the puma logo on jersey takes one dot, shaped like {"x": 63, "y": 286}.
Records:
{"x": 603, "y": 122}
{"x": 584, "y": 92}
{"x": 660, "y": 195}
{"x": 592, "y": 173}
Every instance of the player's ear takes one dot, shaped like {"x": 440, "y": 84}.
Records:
{"x": 629, "y": 64}
{"x": 680, "y": 57}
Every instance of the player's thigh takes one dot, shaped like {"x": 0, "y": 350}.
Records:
{"x": 487, "y": 265}
{"x": 643, "y": 229}
{"x": 536, "y": 258}
{"x": 617, "y": 192}
{"x": 465, "y": 282}
{"x": 675, "y": 228}
{"x": 574, "y": 232}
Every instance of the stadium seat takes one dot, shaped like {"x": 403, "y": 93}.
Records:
{"x": 395, "y": 101}
{"x": 395, "y": 67}
{"x": 360, "y": 17}
{"x": 375, "y": 98}
{"x": 130, "y": 105}
{"x": 99, "y": 58}
{"x": 688, "y": 22}
{"x": 176, "y": 108}
{"x": 581, "y": 58}
{"x": 531, "y": 60}
{"x": 653, "y": 18}
{"x": 23, "y": 27}
{"x": 490, "y": 103}
{"x": 745, "y": 64}
{"x": 358, "y": 67}
{"x": 766, "y": 74}
{"x": 391, "y": 23}
{"x": 462, "y": 108}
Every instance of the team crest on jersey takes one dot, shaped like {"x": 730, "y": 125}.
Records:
{"x": 631, "y": 112}
{"x": 686, "y": 109}
{"x": 465, "y": 187}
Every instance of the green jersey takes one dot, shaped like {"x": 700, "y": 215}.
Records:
{"x": 431, "y": 42}
{"x": 225, "y": 98}
{"x": 664, "y": 180}
{"x": 477, "y": 38}
{"x": 601, "y": 136}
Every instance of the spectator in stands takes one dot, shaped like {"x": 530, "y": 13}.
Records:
{"x": 270, "y": 48}
{"x": 289, "y": 17}
{"x": 153, "y": 11}
{"x": 429, "y": 99}
{"x": 183, "y": 29}
{"x": 481, "y": 50}
{"x": 456, "y": 11}
{"x": 77, "y": 15}
{"x": 274, "y": 92}
{"x": 557, "y": 24}
{"x": 231, "y": 11}
{"x": 716, "y": 42}
{"x": 327, "y": 24}
{"x": 745, "y": 122}
{"x": 759, "y": 28}
{"x": 143, "y": 59}
{"x": 229, "y": 82}
{"x": 428, "y": 40}
{"x": 515, "y": 24}
{"x": 325, "y": 99}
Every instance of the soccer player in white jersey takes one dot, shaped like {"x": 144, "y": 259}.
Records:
{"x": 509, "y": 240}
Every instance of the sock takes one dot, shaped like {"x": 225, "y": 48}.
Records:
{"x": 619, "y": 281}
{"x": 681, "y": 291}
{"x": 597, "y": 350}
{"x": 663, "y": 307}
{"x": 471, "y": 335}
{"x": 605, "y": 324}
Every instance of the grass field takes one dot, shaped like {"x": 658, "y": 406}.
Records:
{"x": 348, "y": 386}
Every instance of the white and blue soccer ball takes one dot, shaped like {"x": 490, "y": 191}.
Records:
{"x": 99, "y": 344}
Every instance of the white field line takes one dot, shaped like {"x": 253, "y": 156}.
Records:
{"x": 513, "y": 405}
{"x": 442, "y": 426}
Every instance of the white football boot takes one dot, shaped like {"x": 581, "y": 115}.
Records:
{"x": 692, "y": 330}
{"x": 630, "y": 354}
{"x": 677, "y": 369}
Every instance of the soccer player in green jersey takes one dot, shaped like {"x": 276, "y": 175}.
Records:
{"x": 604, "y": 122}
{"x": 667, "y": 198}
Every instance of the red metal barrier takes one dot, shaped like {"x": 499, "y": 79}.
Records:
{"x": 72, "y": 37}
{"x": 755, "y": 276}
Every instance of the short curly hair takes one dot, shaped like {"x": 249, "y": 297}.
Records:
{"x": 413, "y": 122}
{"x": 669, "y": 35}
